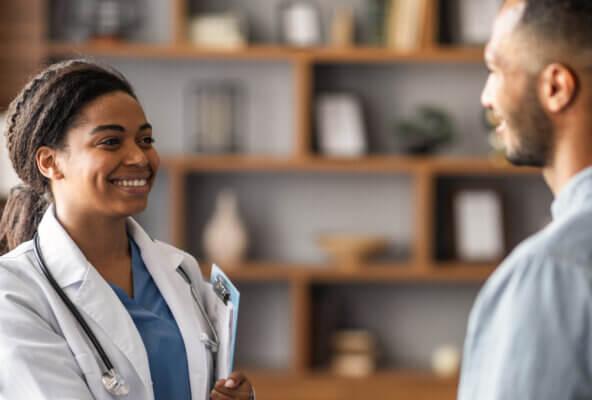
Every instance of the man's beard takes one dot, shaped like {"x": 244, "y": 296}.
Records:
{"x": 534, "y": 131}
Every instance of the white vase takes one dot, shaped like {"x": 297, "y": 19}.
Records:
{"x": 225, "y": 239}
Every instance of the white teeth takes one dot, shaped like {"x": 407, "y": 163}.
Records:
{"x": 131, "y": 182}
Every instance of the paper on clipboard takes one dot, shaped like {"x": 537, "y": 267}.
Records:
{"x": 222, "y": 303}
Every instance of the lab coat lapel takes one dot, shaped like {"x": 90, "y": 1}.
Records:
{"x": 93, "y": 297}
{"x": 96, "y": 298}
{"x": 162, "y": 263}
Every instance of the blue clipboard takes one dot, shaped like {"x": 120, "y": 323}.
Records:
{"x": 229, "y": 294}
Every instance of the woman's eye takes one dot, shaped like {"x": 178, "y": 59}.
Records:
{"x": 148, "y": 140}
{"x": 110, "y": 142}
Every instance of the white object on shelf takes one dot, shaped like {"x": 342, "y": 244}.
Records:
{"x": 341, "y": 125}
{"x": 478, "y": 225}
{"x": 8, "y": 177}
{"x": 301, "y": 24}
{"x": 446, "y": 361}
{"x": 225, "y": 238}
{"x": 225, "y": 30}
{"x": 476, "y": 20}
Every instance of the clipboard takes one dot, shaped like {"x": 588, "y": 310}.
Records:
{"x": 222, "y": 303}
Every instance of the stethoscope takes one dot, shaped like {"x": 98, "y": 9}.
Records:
{"x": 113, "y": 382}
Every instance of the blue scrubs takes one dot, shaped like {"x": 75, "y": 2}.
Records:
{"x": 159, "y": 331}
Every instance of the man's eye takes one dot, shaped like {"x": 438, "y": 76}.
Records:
{"x": 148, "y": 140}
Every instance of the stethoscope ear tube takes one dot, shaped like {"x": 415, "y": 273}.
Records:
{"x": 112, "y": 381}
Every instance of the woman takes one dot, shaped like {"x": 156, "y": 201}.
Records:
{"x": 81, "y": 144}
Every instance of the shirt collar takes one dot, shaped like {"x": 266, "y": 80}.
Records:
{"x": 574, "y": 196}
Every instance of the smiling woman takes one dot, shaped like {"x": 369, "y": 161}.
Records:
{"x": 90, "y": 306}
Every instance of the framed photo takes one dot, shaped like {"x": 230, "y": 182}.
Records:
{"x": 479, "y": 231}
{"x": 300, "y": 23}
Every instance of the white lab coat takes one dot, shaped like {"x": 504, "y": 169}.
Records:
{"x": 44, "y": 353}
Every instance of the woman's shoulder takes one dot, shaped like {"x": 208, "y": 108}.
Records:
{"x": 19, "y": 261}
{"x": 21, "y": 282}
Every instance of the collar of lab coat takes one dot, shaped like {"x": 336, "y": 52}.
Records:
{"x": 68, "y": 264}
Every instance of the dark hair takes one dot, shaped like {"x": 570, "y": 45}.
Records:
{"x": 565, "y": 24}
{"x": 41, "y": 115}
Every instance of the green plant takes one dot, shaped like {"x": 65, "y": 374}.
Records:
{"x": 429, "y": 128}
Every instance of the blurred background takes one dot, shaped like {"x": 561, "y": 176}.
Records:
{"x": 331, "y": 155}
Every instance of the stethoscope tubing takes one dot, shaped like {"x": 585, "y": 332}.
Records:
{"x": 89, "y": 333}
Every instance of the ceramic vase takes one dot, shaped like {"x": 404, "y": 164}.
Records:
{"x": 225, "y": 238}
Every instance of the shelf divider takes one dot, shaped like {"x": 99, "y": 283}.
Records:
{"x": 423, "y": 198}
{"x": 301, "y": 309}
{"x": 303, "y": 90}
{"x": 178, "y": 206}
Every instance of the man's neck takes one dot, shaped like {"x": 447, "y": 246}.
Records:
{"x": 570, "y": 158}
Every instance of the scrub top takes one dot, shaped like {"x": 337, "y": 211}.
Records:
{"x": 159, "y": 331}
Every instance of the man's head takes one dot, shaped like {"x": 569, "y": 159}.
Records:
{"x": 539, "y": 56}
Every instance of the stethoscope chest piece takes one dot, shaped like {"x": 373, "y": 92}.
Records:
{"x": 114, "y": 383}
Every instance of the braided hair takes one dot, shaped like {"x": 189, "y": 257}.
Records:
{"x": 41, "y": 115}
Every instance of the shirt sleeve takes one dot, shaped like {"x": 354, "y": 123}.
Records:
{"x": 36, "y": 362}
{"x": 530, "y": 336}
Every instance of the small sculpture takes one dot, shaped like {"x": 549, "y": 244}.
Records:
{"x": 225, "y": 239}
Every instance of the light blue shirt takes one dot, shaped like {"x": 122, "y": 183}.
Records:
{"x": 530, "y": 331}
{"x": 159, "y": 331}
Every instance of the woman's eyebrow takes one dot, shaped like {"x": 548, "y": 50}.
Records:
{"x": 110, "y": 127}
{"x": 145, "y": 126}
{"x": 118, "y": 128}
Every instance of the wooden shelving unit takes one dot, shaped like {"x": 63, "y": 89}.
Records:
{"x": 389, "y": 273}
{"x": 279, "y": 53}
{"x": 319, "y": 385}
{"x": 301, "y": 380}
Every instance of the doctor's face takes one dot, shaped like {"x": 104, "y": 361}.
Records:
{"x": 109, "y": 163}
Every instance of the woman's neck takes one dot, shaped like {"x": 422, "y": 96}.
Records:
{"x": 101, "y": 239}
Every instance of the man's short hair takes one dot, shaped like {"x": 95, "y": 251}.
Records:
{"x": 565, "y": 23}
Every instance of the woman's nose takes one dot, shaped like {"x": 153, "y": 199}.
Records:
{"x": 135, "y": 155}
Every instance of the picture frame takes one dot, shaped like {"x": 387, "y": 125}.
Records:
{"x": 213, "y": 115}
{"x": 479, "y": 225}
{"x": 340, "y": 125}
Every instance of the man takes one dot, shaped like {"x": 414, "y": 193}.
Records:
{"x": 530, "y": 331}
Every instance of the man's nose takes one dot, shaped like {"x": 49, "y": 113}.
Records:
{"x": 486, "y": 95}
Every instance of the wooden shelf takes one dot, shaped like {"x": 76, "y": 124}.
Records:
{"x": 317, "y": 385}
{"x": 371, "y": 273}
{"x": 238, "y": 163}
{"x": 167, "y": 51}
{"x": 270, "y": 52}
{"x": 384, "y": 55}
{"x": 374, "y": 164}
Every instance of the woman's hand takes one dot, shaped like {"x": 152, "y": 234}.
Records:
{"x": 236, "y": 387}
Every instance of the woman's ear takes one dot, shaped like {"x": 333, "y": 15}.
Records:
{"x": 558, "y": 87}
{"x": 46, "y": 159}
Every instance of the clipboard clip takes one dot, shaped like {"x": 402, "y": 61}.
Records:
{"x": 221, "y": 289}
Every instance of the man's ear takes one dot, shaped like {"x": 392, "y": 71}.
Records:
{"x": 47, "y": 163}
{"x": 558, "y": 87}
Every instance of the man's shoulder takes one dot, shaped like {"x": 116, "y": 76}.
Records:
{"x": 565, "y": 244}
